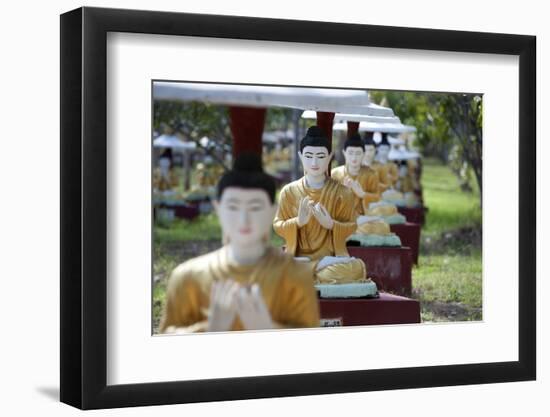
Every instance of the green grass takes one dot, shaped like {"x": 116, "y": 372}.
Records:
{"x": 448, "y": 281}
{"x": 449, "y": 207}
{"x": 205, "y": 227}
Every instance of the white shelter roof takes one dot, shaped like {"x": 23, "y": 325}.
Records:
{"x": 173, "y": 142}
{"x": 385, "y": 127}
{"x": 318, "y": 99}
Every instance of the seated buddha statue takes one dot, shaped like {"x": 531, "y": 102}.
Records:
{"x": 385, "y": 209}
{"x": 165, "y": 180}
{"x": 406, "y": 185}
{"x": 246, "y": 284}
{"x": 362, "y": 180}
{"x": 316, "y": 215}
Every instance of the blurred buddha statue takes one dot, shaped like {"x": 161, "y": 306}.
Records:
{"x": 247, "y": 284}
{"x": 317, "y": 214}
{"x": 406, "y": 184}
{"x": 363, "y": 181}
{"x": 386, "y": 172}
{"x": 207, "y": 175}
{"x": 164, "y": 176}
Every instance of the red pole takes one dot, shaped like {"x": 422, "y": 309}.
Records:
{"x": 353, "y": 128}
{"x": 247, "y": 127}
{"x": 324, "y": 121}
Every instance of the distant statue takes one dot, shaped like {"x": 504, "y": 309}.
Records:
{"x": 164, "y": 177}
{"x": 363, "y": 181}
{"x": 377, "y": 158}
{"x": 407, "y": 184}
{"x": 317, "y": 214}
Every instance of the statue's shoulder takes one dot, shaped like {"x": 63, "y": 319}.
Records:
{"x": 338, "y": 172}
{"x": 340, "y": 189}
{"x": 193, "y": 270}
{"x": 367, "y": 171}
{"x": 293, "y": 186}
{"x": 333, "y": 183}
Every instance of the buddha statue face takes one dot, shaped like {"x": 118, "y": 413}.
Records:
{"x": 370, "y": 153}
{"x": 246, "y": 215}
{"x": 315, "y": 161}
{"x": 353, "y": 156}
{"x": 383, "y": 152}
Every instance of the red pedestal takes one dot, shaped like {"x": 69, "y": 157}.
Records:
{"x": 389, "y": 267}
{"x": 187, "y": 212}
{"x": 413, "y": 215}
{"x": 388, "y": 309}
{"x": 409, "y": 233}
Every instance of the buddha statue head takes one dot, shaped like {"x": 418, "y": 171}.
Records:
{"x": 353, "y": 152}
{"x": 383, "y": 149}
{"x": 246, "y": 202}
{"x": 370, "y": 149}
{"x": 315, "y": 154}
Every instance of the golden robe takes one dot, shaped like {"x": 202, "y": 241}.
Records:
{"x": 161, "y": 183}
{"x": 368, "y": 179}
{"x": 313, "y": 240}
{"x": 388, "y": 174}
{"x": 286, "y": 286}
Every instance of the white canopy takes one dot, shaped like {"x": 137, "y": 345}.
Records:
{"x": 402, "y": 153}
{"x": 396, "y": 141}
{"x": 318, "y": 99}
{"x": 342, "y": 117}
{"x": 386, "y": 127}
{"x": 350, "y": 117}
{"x": 173, "y": 142}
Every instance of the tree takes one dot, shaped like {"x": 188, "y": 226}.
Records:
{"x": 449, "y": 125}
{"x": 194, "y": 120}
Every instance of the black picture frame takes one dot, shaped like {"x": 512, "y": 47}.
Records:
{"x": 84, "y": 207}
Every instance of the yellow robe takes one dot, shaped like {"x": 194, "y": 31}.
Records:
{"x": 388, "y": 174}
{"x": 286, "y": 286}
{"x": 161, "y": 183}
{"x": 368, "y": 179}
{"x": 314, "y": 241}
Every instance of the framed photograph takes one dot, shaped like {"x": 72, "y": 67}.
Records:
{"x": 257, "y": 208}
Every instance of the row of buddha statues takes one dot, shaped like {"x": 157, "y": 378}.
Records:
{"x": 247, "y": 283}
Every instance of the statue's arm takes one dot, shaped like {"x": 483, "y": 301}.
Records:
{"x": 371, "y": 187}
{"x": 345, "y": 222}
{"x": 284, "y": 224}
{"x": 383, "y": 182}
{"x": 394, "y": 172}
{"x": 301, "y": 304}
{"x": 182, "y": 312}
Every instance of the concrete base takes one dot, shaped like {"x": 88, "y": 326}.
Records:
{"x": 409, "y": 233}
{"x": 387, "y": 309}
{"x": 413, "y": 215}
{"x": 390, "y": 268}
